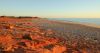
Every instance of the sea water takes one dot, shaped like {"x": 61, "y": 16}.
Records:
{"x": 80, "y": 20}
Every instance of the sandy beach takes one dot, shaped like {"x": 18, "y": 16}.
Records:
{"x": 73, "y": 37}
{"x": 73, "y": 31}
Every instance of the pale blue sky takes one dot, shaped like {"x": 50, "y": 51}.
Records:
{"x": 51, "y": 8}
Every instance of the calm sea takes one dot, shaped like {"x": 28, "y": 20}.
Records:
{"x": 80, "y": 20}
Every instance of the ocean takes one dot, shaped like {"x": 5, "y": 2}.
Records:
{"x": 79, "y": 20}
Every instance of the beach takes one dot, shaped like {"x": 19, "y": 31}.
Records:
{"x": 71, "y": 37}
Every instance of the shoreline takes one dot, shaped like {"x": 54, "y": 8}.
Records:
{"x": 86, "y": 24}
{"x": 81, "y": 23}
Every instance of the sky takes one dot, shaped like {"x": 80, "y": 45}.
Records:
{"x": 51, "y": 8}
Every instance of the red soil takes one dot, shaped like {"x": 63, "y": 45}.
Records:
{"x": 20, "y": 38}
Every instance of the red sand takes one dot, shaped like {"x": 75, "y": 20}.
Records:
{"x": 22, "y": 36}
{"x": 31, "y": 40}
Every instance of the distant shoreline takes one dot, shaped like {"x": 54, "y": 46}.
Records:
{"x": 81, "y": 23}
{"x": 86, "y": 24}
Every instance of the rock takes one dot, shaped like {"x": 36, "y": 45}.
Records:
{"x": 27, "y": 36}
{"x": 6, "y": 43}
